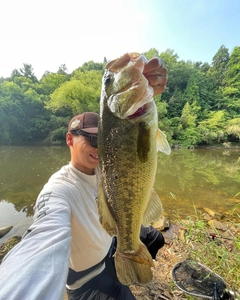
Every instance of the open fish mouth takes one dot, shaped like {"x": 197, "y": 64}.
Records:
{"x": 141, "y": 111}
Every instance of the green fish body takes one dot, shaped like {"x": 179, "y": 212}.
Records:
{"x": 128, "y": 141}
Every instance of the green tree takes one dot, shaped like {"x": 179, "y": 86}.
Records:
{"x": 24, "y": 82}
{"x": 231, "y": 83}
{"x": 11, "y": 112}
{"x": 188, "y": 132}
{"x": 62, "y": 70}
{"x": 178, "y": 77}
{"x": 81, "y": 93}
{"x": 200, "y": 90}
{"x": 15, "y": 73}
{"x": 169, "y": 58}
{"x": 203, "y": 67}
{"x": 163, "y": 123}
{"x": 23, "y": 117}
{"x": 212, "y": 129}
{"x": 219, "y": 65}
{"x": 27, "y": 71}
{"x": 233, "y": 130}
{"x": 151, "y": 53}
{"x": 58, "y": 129}
{"x": 51, "y": 81}
{"x": 90, "y": 66}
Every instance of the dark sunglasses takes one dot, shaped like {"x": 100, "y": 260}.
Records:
{"x": 92, "y": 138}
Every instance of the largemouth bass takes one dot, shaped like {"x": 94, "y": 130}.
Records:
{"x": 128, "y": 141}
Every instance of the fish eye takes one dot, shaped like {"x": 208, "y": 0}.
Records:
{"x": 108, "y": 79}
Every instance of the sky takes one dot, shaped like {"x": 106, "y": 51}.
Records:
{"x": 50, "y": 33}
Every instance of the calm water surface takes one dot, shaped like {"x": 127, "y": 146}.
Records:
{"x": 185, "y": 179}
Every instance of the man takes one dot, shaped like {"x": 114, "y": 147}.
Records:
{"x": 66, "y": 242}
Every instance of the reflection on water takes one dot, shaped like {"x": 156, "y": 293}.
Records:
{"x": 11, "y": 217}
{"x": 186, "y": 178}
{"x": 24, "y": 171}
{"x": 199, "y": 178}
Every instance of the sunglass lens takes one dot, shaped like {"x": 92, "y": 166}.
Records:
{"x": 93, "y": 141}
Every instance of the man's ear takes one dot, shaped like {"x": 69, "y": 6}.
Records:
{"x": 69, "y": 139}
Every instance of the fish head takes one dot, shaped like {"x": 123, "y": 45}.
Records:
{"x": 125, "y": 90}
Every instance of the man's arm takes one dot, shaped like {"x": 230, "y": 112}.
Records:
{"x": 37, "y": 267}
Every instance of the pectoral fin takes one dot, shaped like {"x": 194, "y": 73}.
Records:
{"x": 106, "y": 218}
{"x": 154, "y": 209}
{"x": 162, "y": 143}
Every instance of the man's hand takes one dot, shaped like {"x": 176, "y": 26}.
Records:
{"x": 156, "y": 75}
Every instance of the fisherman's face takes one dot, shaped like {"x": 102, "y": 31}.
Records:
{"x": 84, "y": 157}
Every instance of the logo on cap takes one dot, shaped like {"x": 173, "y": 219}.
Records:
{"x": 75, "y": 123}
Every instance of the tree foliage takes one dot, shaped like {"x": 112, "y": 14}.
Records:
{"x": 200, "y": 106}
{"x": 231, "y": 83}
{"x": 79, "y": 94}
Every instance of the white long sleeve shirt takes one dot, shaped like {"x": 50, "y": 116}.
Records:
{"x": 66, "y": 233}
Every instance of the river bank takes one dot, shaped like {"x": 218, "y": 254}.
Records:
{"x": 207, "y": 237}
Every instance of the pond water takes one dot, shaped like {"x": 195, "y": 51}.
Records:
{"x": 186, "y": 180}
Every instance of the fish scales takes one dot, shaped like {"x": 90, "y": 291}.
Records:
{"x": 127, "y": 147}
{"x": 125, "y": 161}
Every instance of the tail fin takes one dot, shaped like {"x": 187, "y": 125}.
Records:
{"x": 134, "y": 267}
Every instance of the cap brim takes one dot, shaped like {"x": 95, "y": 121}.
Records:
{"x": 91, "y": 130}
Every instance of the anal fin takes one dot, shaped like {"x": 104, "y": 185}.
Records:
{"x": 153, "y": 211}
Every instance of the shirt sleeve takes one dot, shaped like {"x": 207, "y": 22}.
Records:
{"x": 37, "y": 267}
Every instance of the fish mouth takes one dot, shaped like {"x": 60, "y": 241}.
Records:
{"x": 143, "y": 110}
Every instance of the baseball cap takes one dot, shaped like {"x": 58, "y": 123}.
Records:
{"x": 87, "y": 122}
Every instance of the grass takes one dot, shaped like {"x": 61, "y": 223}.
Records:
{"x": 217, "y": 249}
